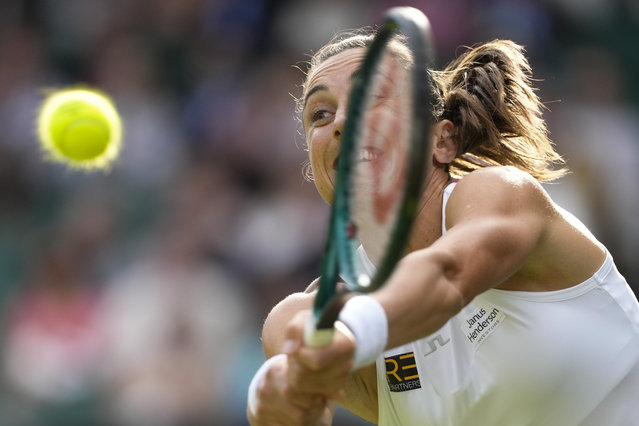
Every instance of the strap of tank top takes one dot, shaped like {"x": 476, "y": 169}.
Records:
{"x": 447, "y": 191}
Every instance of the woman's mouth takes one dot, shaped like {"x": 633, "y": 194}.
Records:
{"x": 365, "y": 154}
{"x": 368, "y": 154}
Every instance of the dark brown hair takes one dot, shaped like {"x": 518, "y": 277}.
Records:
{"x": 487, "y": 93}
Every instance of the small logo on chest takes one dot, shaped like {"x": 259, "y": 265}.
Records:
{"x": 401, "y": 372}
{"x": 479, "y": 323}
{"x": 436, "y": 342}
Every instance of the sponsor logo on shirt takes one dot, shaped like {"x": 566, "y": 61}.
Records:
{"x": 401, "y": 372}
{"x": 480, "y": 323}
{"x": 436, "y": 342}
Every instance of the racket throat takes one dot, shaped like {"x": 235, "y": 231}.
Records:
{"x": 332, "y": 310}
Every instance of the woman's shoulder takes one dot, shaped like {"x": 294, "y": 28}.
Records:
{"x": 500, "y": 185}
{"x": 563, "y": 252}
{"x": 508, "y": 175}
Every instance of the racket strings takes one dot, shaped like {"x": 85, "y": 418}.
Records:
{"x": 382, "y": 147}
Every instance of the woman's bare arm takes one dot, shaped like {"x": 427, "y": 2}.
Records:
{"x": 497, "y": 219}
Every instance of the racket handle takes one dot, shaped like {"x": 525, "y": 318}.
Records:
{"x": 316, "y": 338}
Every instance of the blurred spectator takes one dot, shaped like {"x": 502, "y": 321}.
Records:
{"x": 54, "y": 337}
{"x": 155, "y": 148}
{"x": 175, "y": 318}
{"x": 598, "y": 132}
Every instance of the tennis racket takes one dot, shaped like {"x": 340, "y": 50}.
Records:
{"x": 384, "y": 156}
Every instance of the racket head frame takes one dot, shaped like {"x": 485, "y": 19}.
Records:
{"x": 338, "y": 256}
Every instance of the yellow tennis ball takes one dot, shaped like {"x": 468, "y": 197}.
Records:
{"x": 81, "y": 128}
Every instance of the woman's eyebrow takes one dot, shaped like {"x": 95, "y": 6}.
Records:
{"x": 313, "y": 90}
{"x": 321, "y": 87}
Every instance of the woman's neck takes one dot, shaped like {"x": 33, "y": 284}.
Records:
{"x": 428, "y": 224}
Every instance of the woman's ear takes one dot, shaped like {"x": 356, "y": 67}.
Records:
{"x": 444, "y": 144}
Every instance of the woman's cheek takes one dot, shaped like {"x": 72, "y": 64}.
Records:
{"x": 325, "y": 189}
{"x": 322, "y": 180}
{"x": 319, "y": 153}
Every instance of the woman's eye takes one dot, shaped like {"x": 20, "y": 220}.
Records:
{"x": 319, "y": 115}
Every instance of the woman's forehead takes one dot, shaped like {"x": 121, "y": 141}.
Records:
{"x": 339, "y": 65}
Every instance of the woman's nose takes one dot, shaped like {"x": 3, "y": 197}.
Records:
{"x": 338, "y": 124}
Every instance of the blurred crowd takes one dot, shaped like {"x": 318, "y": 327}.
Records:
{"x": 136, "y": 297}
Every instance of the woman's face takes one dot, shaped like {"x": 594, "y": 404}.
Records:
{"x": 323, "y": 114}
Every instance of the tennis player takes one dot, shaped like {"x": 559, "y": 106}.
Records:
{"x": 506, "y": 310}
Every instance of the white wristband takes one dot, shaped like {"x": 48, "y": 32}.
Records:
{"x": 366, "y": 319}
{"x": 257, "y": 379}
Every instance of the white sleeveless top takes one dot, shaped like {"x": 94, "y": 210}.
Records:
{"x": 510, "y": 358}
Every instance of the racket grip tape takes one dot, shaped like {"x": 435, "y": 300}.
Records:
{"x": 315, "y": 337}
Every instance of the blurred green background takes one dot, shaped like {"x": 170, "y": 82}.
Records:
{"x": 137, "y": 297}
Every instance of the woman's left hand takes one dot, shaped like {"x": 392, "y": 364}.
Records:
{"x": 278, "y": 403}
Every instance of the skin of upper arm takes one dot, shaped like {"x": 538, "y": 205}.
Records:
{"x": 361, "y": 394}
{"x": 272, "y": 332}
{"x": 495, "y": 218}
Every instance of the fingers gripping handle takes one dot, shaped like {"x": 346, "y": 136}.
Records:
{"x": 252, "y": 399}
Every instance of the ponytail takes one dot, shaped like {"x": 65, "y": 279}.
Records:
{"x": 488, "y": 95}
